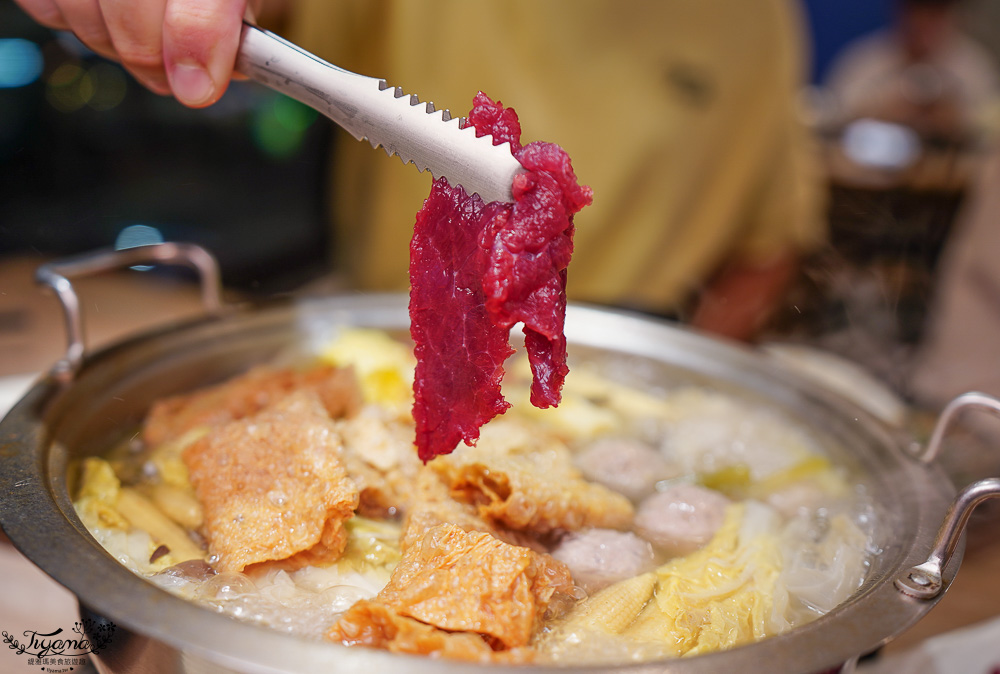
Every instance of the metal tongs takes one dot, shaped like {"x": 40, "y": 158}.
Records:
{"x": 368, "y": 108}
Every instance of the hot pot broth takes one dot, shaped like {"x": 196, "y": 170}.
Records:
{"x": 648, "y": 516}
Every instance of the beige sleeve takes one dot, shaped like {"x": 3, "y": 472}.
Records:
{"x": 788, "y": 211}
{"x": 346, "y": 33}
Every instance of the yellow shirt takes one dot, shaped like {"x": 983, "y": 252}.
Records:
{"x": 680, "y": 114}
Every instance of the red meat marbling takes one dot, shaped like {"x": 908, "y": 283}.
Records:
{"x": 476, "y": 269}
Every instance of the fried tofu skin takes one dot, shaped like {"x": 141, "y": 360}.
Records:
{"x": 375, "y": 625}
{"x": 273, "y": 486}
{"x": 520, "y": 478}
{"x": 470, "y": 581}
{"x": 431, "y": 504}
{"x": 247, "y": 394}
{"x": 380, "y": 458}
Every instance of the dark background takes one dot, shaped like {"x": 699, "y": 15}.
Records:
{"x": 85, "y": 153}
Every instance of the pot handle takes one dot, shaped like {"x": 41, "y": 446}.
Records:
{"x": 56, "y": 276}
{"x": 973, "y": 400}
{"x": 924, "y": 580}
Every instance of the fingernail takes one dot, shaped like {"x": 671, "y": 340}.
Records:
{"x": 191, "y": 83}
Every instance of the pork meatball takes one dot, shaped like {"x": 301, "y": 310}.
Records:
{"x": 627, "y": 465}
{"x": 599, "y": 557}
{"x": 681, "y": 519}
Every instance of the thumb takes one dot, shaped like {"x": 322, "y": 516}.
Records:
{"x": 200, "y": 39}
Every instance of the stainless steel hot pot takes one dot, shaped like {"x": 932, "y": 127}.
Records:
{"x": 88, "y": 401}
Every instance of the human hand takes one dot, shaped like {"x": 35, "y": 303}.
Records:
{"x": 184, "y": 48}
{"x": 742, "y": 297}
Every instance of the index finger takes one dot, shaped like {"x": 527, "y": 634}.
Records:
{"x": 135, "y": 29}
{"x": 45, "y": 12}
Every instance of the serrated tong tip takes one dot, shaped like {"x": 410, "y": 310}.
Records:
{"x": 482, "y": 144}
{"x": 368, "y": 108}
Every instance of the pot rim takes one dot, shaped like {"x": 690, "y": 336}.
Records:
{"x": 38, "y": 517}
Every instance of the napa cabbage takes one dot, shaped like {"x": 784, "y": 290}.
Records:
{"x": 383, "y": 366}
{"x": 723, "y": 595}
{"x": 760, "y": 575}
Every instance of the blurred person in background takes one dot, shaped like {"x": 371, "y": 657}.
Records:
{"x": 681, "y": 116}
{"x": 923, "y": 73}
{"x": 961, "y": 348}
{"x": 907, "y": 113}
